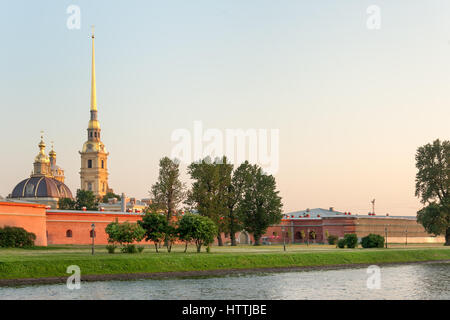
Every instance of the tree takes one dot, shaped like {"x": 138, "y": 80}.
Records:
{"x": 199, "y": 229}
{"x": 168, "y": 192}
{"x": 433, "y": 187}
{"x": 261, "y": 205}
{"x": 86, "y": 199}
{"x": 125, "y": 234}
{"x": 209, "y": 193}
{"x": 110, "y": 195}
{"x": 66, "y": 204}
{"x": 155, "y": 226}
{"x": 435, "y": 218}
{"x": 235, "y": 195}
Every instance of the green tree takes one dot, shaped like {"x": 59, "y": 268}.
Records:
{"x": 125, "y": 234}
{"x": 155, "y": 226}
{"x": 168, "y": 192}
{"x": 209, "y": 193}
{"x": 67, "y": 204}
{"x": 261, "y": 205}
{"x": 433, "y": 187}
{"x": 200, "y": 229}
{"x": 235, "y": 195}
{"x": 86, "y": 199}
{"x": 110, "y": 195}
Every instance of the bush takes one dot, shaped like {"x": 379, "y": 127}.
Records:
{"x": 341, "y": 243}
{"x": 129, "y": 248}
{"x": 351, "y": 240}
{"x": 333, "y": 239}
{"x": 15, "y": 237}
{"x": 111, "y": 248}
{"x": 372, "y": 241}
{"x": 140, "y": 249}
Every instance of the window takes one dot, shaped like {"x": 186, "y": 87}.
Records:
{"x": 103, "y": 188}
{"x": 89, "y": 186}
{"x": 89, "y": 164}
{"x": 92, "y": 234}
{"x": 95, "y": 134}
{"x": 69, "y": 233}
{"x": 103, "y": 164}
{"x": 90, "y": 134}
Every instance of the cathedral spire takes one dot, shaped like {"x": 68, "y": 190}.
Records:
{"x": 93, "y": 88}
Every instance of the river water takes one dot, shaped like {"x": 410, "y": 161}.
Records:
{"x": 412, "y": 281}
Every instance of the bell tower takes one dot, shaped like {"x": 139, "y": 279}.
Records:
{"x": 94, "y": 158}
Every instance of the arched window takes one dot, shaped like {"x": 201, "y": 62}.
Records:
{"x": 103, "y": 164}
{"x": 92, "y": 234}
{"x": 69, "y": 233}
{"x": 95, "y": 134}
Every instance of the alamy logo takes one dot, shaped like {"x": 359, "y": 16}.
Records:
{"x": 374, "y": 18}
{"x": 374, "y": 280}
{"x": 74, "y": 281}
{"x": 258, "y": 146}
{"x": 74, "y": 20}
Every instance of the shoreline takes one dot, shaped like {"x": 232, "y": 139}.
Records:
{"x": 197, "y": 273}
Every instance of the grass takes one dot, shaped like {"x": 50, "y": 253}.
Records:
{"x": 53, "y": 261}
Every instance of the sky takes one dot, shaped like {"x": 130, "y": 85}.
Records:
{"x": 351, "y": 103}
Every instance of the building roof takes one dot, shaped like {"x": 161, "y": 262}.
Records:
{"x": 315, "y": 213}
{"x": 41, "y": 187}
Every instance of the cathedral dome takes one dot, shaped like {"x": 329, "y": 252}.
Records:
{"x": 41, "y": 187}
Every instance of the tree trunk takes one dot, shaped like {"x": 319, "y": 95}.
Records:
{"x": 257, "y": 238}
{"x": 447, "y": 237}
{"x": 156, "y": 247}
{"x": 185, "y": 248}
{"x": 233, "y": 239}
{"x": 199, "y": 247}
{"x": 219, "y": 240}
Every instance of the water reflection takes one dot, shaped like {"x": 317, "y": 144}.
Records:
{"x": 415, "y": 281}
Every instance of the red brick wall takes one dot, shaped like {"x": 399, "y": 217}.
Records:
{"x": 80, "y": 224}
{"x": 31, "y": 217}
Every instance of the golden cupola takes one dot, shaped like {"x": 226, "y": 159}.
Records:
{"x": 41, "y": 161}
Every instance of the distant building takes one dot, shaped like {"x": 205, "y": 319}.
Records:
{"x": 124, "y": 205}
{"x": 46, "y": 182}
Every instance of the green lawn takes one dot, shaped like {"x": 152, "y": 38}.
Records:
{"x": 53, "y": 261}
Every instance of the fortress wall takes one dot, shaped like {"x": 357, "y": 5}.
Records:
{"x": 79, "y": 222}
{"x": 29, "y": 216}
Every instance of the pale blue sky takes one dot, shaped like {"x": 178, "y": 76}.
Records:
{"x": 352, "y": 104}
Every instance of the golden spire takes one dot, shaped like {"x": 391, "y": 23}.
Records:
{"x": 93, "y": 88}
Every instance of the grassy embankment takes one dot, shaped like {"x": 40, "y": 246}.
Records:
{"x": 53, "y": 261}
